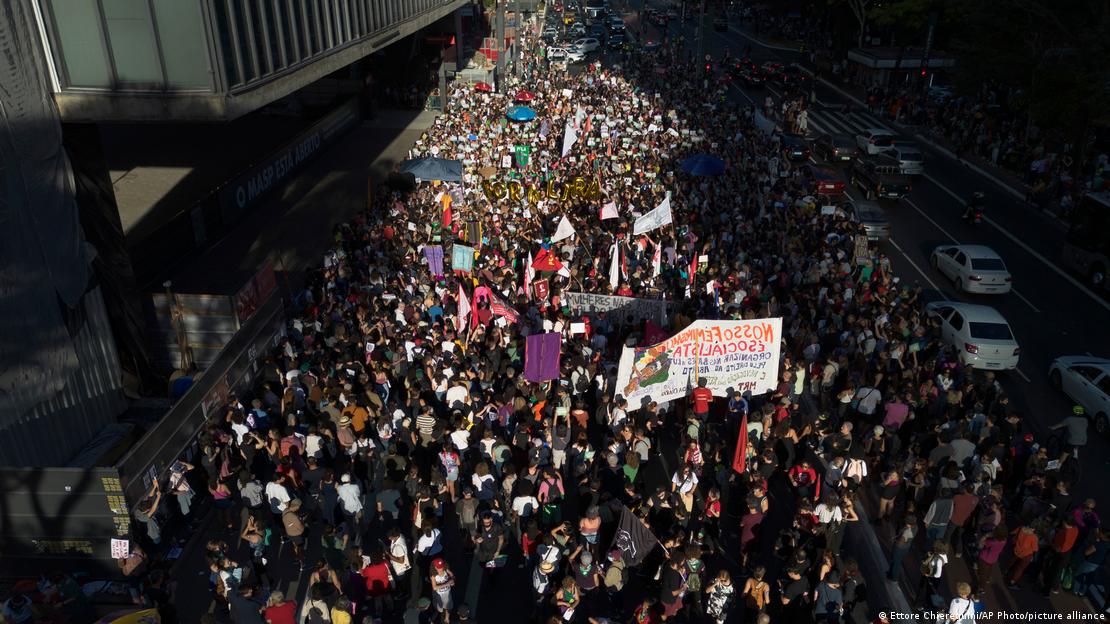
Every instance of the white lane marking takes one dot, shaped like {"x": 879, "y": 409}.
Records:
{"x": 956, "y": 242}
{"x": 741, "y": 91}
{"x": 757, "y": 41}
{"x": 1045, "y": 261}
{"x": 1022, "y": 297}
{"x": 917, "y": 268}
{"x": 1018, "y": 371}
{"x": 930, "y": 220}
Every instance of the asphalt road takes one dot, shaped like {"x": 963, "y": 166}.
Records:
{"x": 1050, "y": 311}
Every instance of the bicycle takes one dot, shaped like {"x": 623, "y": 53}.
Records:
{"x": 1066, "y": 459}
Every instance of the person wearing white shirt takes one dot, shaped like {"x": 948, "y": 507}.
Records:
{"x": 457, "y": 394}
{"x": 684, "y": 482}
{"x": 461, "y": 438}
{"x": 962, "y": 609}
{"x": 868, "y": 400}
{"x": 350, "y": 496}
{"x": 278, "y": 496}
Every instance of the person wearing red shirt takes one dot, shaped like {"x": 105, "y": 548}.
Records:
{"x": 280, "y": 610}
{"x": 804, "y": 479}
{"x": 377, "y": 577}
{"x": 702, "y": 397}
{"x": 1062, "y": 543}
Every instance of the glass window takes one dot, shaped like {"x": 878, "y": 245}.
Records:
{"x": 1104, "y": 384}
{"x": 227, "y": 44}
{"x": 987, "y": 264}
{"x": 78, "y": 44}
{"x": 957, "y": 321}
{"x": 181, "y": 33}
{"x": 1090, "y": 372}
{"x": 991, "y": 331}
{"x": 131, "y": 37}
{"x": 961, "y": 259}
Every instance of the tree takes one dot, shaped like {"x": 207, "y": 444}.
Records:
{"x": 1055, "y": 52}
{"x": 859, "y": 10}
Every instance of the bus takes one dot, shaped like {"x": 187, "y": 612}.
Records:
{"x": 1087, "y": 246}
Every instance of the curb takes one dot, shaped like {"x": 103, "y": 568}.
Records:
{"x": 762, "y": 43}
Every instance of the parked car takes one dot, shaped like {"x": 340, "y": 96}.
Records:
{"x": 874, "y": 140}
{"x": 880, "y": 176}
{"x": 616, "y": 41}
{"x": 557, "y": 53}
{"x": 835, "y": 147}
{"x": 871, "y": 216}
{"x": 576, "y": 55}
{"x": 910, "y": 158}
{"x": 980, "y": 334}
{"x": 973, "y": 268}
{"x": 577, "y": 30}
{"x": 794, "y": 147}
{"x": 1086, "y": 380}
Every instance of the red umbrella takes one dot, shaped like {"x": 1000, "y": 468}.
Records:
{"x": 524, "y": 96}
{"x": 483, "y": 86}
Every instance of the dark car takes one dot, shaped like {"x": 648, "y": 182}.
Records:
{"x": 746, "y": 73}
{"x": 599, "y": 32}
{"x": 771, "y": 69}
{"x": 794, "y": 147}
{"x": 871, "y": 216}
{"x": 616, "y": 41}
{"x": 792, "y": 77}
{"x": 825, "y": 180}
{"x": 835, "y": 147}
{"x": 880, "y": 176}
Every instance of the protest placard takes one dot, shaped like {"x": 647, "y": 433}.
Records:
{"x": 741, "y": 356}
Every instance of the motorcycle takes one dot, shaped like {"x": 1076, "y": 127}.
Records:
{"x": 973, "y": 213}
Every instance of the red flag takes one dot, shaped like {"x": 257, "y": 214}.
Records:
{"x": 546, "y": 261}
{"x": 446, "y": 216}
{"x": 739, "y": 462}
{"x": 693, "y": 266}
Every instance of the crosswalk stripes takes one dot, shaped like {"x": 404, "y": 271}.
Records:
{"x": 834, "y": 121}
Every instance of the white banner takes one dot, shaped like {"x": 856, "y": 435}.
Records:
{"x": 655, "y": 219}
{"x": 731, "y": 356}
{"x": 619, "y": 309}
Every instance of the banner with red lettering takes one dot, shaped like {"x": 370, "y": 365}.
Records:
{"x": 730, "y": 355}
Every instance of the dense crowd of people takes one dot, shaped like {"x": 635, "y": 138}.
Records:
{"x": 392, "y": 445}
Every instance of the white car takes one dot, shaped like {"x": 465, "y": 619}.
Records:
{"x": 1087, "y": 381}
{"x": 973, "y": 268}
{"x": 575, "y": 55}
{"x": 588, "y": 44}
{"x": 874, "y": 140}
{"x": 557, "y": 53}
{"x": 980, "y": 334}
{"x": 910, "y": 159}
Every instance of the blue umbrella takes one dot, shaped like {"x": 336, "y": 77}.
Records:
{"x": 521, "y": 113}
{"x": 703, "y": 165}
{"x": 434, "y": 169}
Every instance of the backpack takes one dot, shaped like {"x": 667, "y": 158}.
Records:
{"x": 582, "y": 386}
{"x": 928, "y": 565}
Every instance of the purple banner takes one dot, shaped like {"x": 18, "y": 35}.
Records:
{"x": 541, "y": 357}
{"x": 434, "y": 254}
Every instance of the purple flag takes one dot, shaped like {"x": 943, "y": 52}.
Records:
{"x": 434, "y": 254}
{"x": 541, "y": 357}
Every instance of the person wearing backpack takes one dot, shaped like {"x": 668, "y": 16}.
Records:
{"x": 616, "y": 577}
{"x": 932, "y": 569}
{"x": 695, "y": 571}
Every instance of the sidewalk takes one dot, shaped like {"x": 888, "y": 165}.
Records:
{"x": 1009, "y": 180}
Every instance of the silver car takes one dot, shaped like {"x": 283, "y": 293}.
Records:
{"x": 1086, "y": 380}
{"x": 910, "y": 159}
